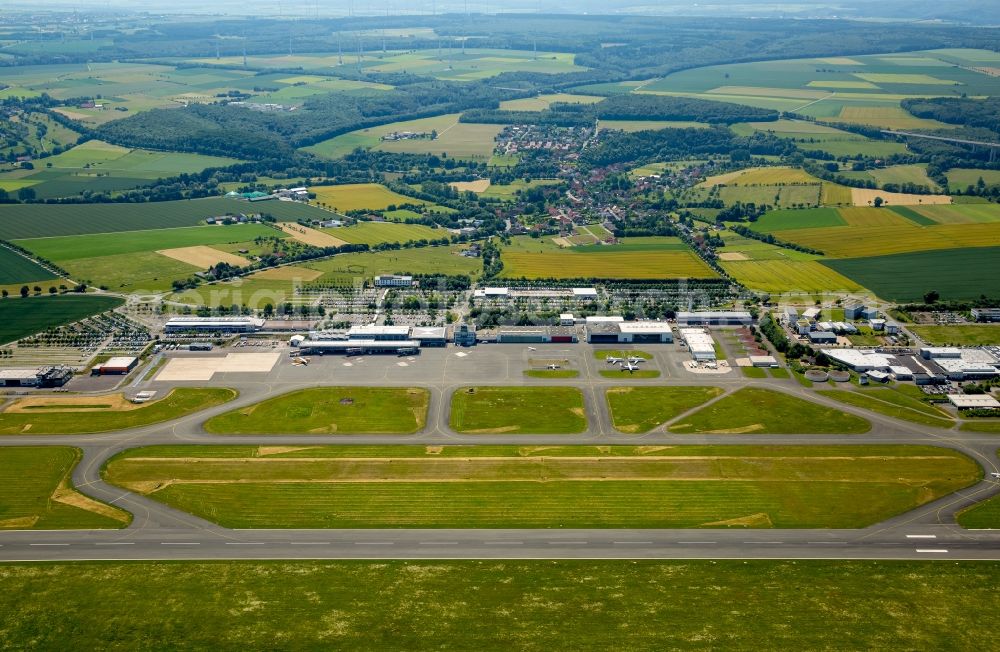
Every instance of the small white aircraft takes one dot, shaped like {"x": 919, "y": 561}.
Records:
{"x": 552, "y": 366}
{"x": 531, "y": 348}
{"x": 300, "y": 362}
{"x": 614, "y": 360}
{"x": 995, "y": 475}
{"x": 634, "y": 359}
{"x": 630, "y": 367}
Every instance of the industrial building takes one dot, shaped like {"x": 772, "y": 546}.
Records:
{"x": 860, "y": 311}
{"x": 937, "y": 352}
{"x": 379, "y": 333}
{"x": 430, "y": 336}
{"x": 536, "y": 335}
{"x": 393, "y": 281}
{"x": 822, "y": 337}
{"x": 117, "y": 366}
{"x": 959, "y": 369}
{"x": 491, "y": 293}
{"x": 699, "y": 343}
{"x": 604, "y": 319}
{"x": 714, "y": 318}
{"x": 357, "y": 347}
{"x": 632, "y": 332}
{"x": 973, "y": 401}
{"x": 19, "y": 378}
{"x": 763, "y": 361}
{"x": 861, "y": 359}
{"x": 986, "y": 314}
{"x": 812, "y": 314}
{"x": 177, "y": 325}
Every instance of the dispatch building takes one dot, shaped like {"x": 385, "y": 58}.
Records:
{"x": 177, "y": 325}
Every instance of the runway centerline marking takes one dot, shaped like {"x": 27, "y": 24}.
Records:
{"x": 48, "y": 544}
{"x": 921, "y": 536}
{"x": 931, "y": 550}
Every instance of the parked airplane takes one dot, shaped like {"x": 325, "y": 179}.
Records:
{"x": 614, "y": 360}
{"x": 552, "y": 366}
{"x": 630, "y": 367}
{"x": 635, "y": 360}
{"x": 300, "y": 362}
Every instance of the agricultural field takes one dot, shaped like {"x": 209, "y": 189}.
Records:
{"x": 142, "y": 261}
{"x": 536, "y": 604}
{"x": 542, "y": 102}
{"x": 69, "y": 415}
{"x": 783, "y": 187}
{"x": 898, "y": 174}
{"x": 958, "y": 335}
{"x": 769, "y": 268}
{"x": 36, "y": 492}
{"x": 860, "y": 90}
{"x": 641, "y": 409}
{"x": 46, "y": 220}
{"x": 22, "y": 317}
{"x": 15, "y": 268}
{"x": 962, "y": 178}
{"x": 810, "y": 137}
{"x": 957, "y": 274}
{"x": 893, "y": 404}
{"x": 517, "y": 410}
{"x": 454, "y": 138}
{"x": 98, "y": 166}
{"x": 648, "y": 258}
{"x": 647, "y": 125}
{"x": 810, "y": 218}
{"x": 543, "y": 487}
{"x": 373, "y": 233}
{"x": 330, "y": 411}
{"x": 762, "y": 411}
{"x": 360, "y": 196}
{"x": 957, "y": 213}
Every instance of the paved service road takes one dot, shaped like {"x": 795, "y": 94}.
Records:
{"x": 161, "y": 532}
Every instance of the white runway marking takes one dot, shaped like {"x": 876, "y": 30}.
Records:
{"x": 402, "y": 364}
{"x": 931, "y": 550}
{"x": 921, "y": 536}
{"x": 48, "y": 544}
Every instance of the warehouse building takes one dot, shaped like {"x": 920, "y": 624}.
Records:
{"x": 117, "y": 366}
{"x": 958, "y": 369}
{"x": 19, "y": 378}
{"x": 812, "y": 314}
{"x": 699, "y": 343}
{"x": 764, "y": 361}
{"x": 973, "y": 401}
{"x": 631, "y": 332}
{"x": 860, "y": 311}
{"x": 714, "y": 318}
{"x": 491, "y": 293}
{"x": 213, "y": 325}
{"x": 938, "y": 352}
{"x": 822, "y": 337}
{"x": 861, "y": 359}
{"x": 357, "y": 347}
{"x": 536, "y": 335}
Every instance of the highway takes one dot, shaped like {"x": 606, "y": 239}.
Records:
{"x": 161, "y": 532}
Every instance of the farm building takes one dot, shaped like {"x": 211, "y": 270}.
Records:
{"x": 973, "y": 401}
{"x": 700, "y": 343}
{"x": 117, "y": 366}
{"x": 213, "y": 325}
{"x": 379, "y": 333}
{"x": 465, "y": 335}
{"x": 393, "y": 280}
{"x": 986, "y": 314}
{"x": 822, "y": 337}
{"x": 714, "y": 318}
{"x": 433, "y": 336}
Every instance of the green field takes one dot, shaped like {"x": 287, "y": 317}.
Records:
{"x": 956, "y": 274}
{"x": 624, "y": 374}
{"x": 36, "y": 492}
{"x": 962, "y": 178}
{"x": 641, "y": 409}
{"x": 15, "y": 268}
{"x": 764, "y": 411}
{"x": 517, "y": 410}
{"x": 542, "y": 487}
{"x": 454, "y": 138}
{"x": 648, "y": 258}
{"x": 533, "y": 605}
{"x": 893, "y": 404}
{"x": 809, "y": 218}
{"x": 46, "y": 220}
{"x": 551, "y": 373}
{"x": 360, "y": 196}
{"x": 330, "y": 411}
{"x": 963, "y": 335}
{"x": 510, "y": 191}
{"x": 373, "y": 233}
{"x": 178, "y": 403}
{"x": 22, "y": 317}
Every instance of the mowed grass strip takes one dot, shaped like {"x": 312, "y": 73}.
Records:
{"x": 891, "y": 404}
{"x": 641, "y": 409}
{"x": 960, "y": 335}
{"x": 610, "y": 264}
{"x": 547, "y": 487}
{"x": 178, "y": 403}
{"x": 531, "y": 605}
{"x": 330, "y": 411}
{"x": 22, "y": 317}
{"x": 35, "y": 492}
{"x": 518, "y": 410}
{"x": 765, "y": 411}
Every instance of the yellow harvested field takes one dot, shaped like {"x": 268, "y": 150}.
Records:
{"x": 203, "y": 256}
{"x": 789, "y": 276}
{"x": 612, "y": 264}
{"x": 863, "y": 241}
{"x": 733, "y": 255}
{"x": 836, "y": 195}
{"x": 721, "y": 179}
{"x": 360, "y": 196}
{"x": 889, "y": 117}
{"x": 543, "y": 102}
{"x": 768, "y": 176}
{"x": 310, "y": 236}
{"x": 873, "y": 217}
{"x": 904, "y": 78}
{"x": 288, "y": 273}
{"x": 479, "y": 185}
{"x": 866, "y": 197}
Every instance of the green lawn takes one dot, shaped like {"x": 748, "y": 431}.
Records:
{"x": 891, "y": 404}
{"x": 753, "y": 372}
{"x": 22, "y": 317}
{"x": 641, "y": 409}
{"x": 544, "y": 486}
{"x": 530, "y": 605}
{"x": 623, "y": 374}
{"x": 964, "y": 335}
{"x": 984, "y": 515}
{"x": 36, "y": 492}
{"x": 551, "y": 373}
{"x": 764, "y": 411}
{"x": 518, "y": 410}
{"x": 329, "y": 411}
{"x": 178, "y": 403}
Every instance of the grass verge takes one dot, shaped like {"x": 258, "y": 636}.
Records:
{"x": 640, "y": 409}
{"x": 891, "y": 404}
{"x": 518, "y": 410}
